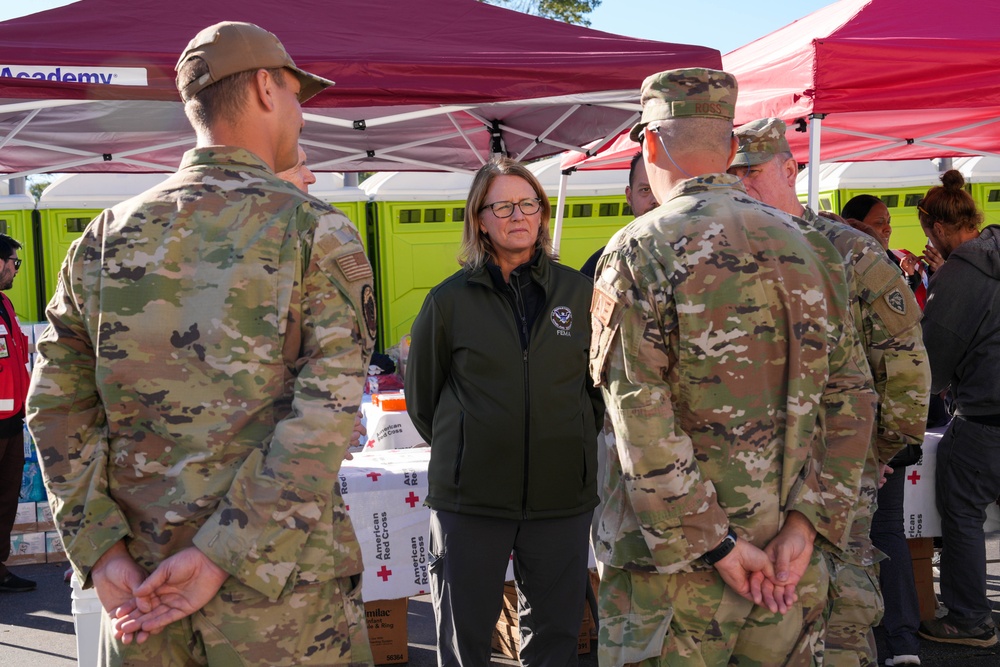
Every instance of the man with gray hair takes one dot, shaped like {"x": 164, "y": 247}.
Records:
{"x": 722, "y": 344}
{"x": 196, "y": 389}
{"x": 887, "y": 320}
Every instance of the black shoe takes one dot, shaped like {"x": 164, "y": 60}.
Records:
{"x": 15, "y": 584}
{"x": 948, "y": 631}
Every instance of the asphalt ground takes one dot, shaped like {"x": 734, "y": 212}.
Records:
{"x": 37, "y": 628}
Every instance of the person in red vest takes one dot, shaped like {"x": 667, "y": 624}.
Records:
{"x": 13, "y": 388}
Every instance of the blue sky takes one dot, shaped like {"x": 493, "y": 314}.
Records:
{"x": 721, "y": 24}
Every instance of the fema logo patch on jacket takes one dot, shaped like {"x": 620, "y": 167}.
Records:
{"x": 562, "y": 318}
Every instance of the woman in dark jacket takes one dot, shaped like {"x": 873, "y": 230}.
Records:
{"x": 496, "y": 382}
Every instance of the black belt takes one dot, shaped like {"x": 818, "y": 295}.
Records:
{"x": 985, "y": 420}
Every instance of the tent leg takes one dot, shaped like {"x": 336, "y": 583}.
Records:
{"x": 560, "y": 206}
{"x": 815, "y": 130}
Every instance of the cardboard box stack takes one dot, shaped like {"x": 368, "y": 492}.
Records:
{"x": 387, "y": 635}
{"x": 921, "y": 552}
{"x": 29, "y": 541}
{"x": 506, "y": 638}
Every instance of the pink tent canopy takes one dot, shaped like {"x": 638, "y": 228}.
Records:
{"x": 889, "y": 79}
{"x": 892, "y": 80}
{"x": 421, "y": 85}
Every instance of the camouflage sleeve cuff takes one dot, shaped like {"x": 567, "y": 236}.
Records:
{"x": 673, "y": 543}
{"x": 104, "y": 527}
{"x": 258, "y": 531}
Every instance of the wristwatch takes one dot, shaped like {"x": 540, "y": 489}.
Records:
{"x": 718, "y": 553}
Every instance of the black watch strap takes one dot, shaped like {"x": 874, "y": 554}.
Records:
{"x": 718, "y": 553}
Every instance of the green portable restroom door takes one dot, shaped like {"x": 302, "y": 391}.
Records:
{"x": 60, "y": 227}
{"x": 987, "y": 196}
{"x": 418, "y": 248}
{"x": 902, "y": 205}
{"x": 589, "y": 224}
{"x": 24, "y": 293}
{"x": 828, "y": 201}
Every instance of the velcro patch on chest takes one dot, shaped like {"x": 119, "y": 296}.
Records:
{"x": 602, "y": 305}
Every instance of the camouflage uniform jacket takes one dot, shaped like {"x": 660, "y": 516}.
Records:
{"x": 723, "y": 344}
{"x": 206, "y": 351}
{"x": 887, "y": 320}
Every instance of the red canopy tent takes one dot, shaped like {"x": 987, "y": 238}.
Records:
{"x": 421, "y": 85}
{"x": 879, "y": 80}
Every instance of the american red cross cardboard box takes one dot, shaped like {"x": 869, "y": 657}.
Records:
{"x": 920, "y": 514}
{"x": 384, "y": 492}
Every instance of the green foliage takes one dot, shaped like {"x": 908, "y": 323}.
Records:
{"x": 36, "y": 184}
{"x": 568, "y": 11}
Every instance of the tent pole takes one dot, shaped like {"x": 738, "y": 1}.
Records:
{"x": 560, "y": 206}
{"x": 815, "y": 129}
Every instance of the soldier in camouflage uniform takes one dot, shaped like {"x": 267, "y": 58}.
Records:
{"x": 887, "y": 319}
{"x": 723, "y": 345}
{"x": 196, "y": 389}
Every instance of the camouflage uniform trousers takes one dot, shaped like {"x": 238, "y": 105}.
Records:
{"x": 694, "y": 619}
{"x": 854, "y": 608}
{"x": 315, "y": 624}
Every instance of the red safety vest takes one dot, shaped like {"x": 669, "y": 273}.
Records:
{"x": 14, "y": 376}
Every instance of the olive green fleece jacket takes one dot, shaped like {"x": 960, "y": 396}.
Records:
{"x": 513, "y": 432}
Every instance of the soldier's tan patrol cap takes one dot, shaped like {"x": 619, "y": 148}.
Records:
{"x": 760, "y": 140}
{"x": 686, "y": 93}
{"x": 232, "y": 47}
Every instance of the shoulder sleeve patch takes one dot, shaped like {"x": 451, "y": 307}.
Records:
{"x": 355, "y": 266}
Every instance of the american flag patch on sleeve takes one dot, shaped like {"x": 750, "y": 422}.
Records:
{"x": 355, "y": 266}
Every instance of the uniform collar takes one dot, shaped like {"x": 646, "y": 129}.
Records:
{"x": 232, "y": 156}
{"x": 705, "y": 183}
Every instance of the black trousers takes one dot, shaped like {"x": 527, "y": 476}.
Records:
{"x": 11, "y": 469}
{"x": 895, "y": 577}
{"x": 968, "y": 481}
{"x": 469, "y": 556}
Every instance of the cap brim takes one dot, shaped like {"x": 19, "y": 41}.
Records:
{"x": 750, "y": 159}
{"x": 637, "y": 130}
{"x": 311, "y": 85}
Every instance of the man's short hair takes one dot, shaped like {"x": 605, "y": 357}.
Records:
{"x": 224, "y": 100}
{"x": 684, "y": 136}
{"x": 636, "y": 159}
{"x": 7, "y": 246}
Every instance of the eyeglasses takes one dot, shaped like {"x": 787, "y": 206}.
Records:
{"x": 17, "y": 262}
{"x": 505, "y": 209}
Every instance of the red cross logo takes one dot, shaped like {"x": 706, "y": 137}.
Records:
{"x": 374, "y": 475}
{"x": 913, "y": 477}
{"x": 384, "y": 573}
{"x": 371, "y": 443}
{"x": 413, "y": 499}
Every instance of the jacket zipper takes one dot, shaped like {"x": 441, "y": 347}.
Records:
{"x": 521, "y": 315}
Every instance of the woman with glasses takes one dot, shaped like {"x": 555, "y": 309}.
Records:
{"x": 497, "y": 383}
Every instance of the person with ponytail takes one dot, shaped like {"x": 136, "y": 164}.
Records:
{"x": 962, "y": 334}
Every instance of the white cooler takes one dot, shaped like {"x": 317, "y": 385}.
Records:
{"x": 87, "y": 619}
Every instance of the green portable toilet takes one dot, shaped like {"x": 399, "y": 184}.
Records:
{"x": 899, "y": 184}
{"x": 350, "y": 199}
{"x": 595, "y": 207}
{"x": 68, "y": 205}
{"x": 982, "y": 180}
{"x": 417, "y": 220}
{"x": 15, "y": 221}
